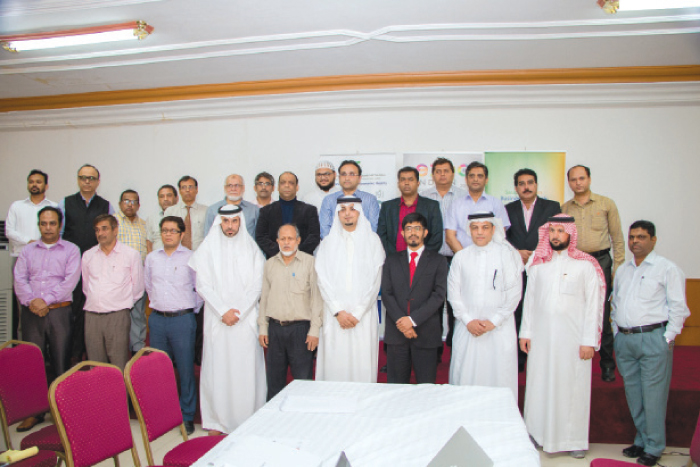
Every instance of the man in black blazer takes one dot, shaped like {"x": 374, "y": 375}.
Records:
{"x": 523, "y": 235}
{"x": 288, "y": 210}
{"x": 393, "y": 211}
{"x": 414, "y": 285}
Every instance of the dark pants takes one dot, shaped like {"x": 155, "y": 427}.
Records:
{"x": 450, "y": 312}
{"x": 176, "y": 335}
{"x": 199, "y": 337}
{"x": 401, "y": 357}
{"x": 607, "y": 339}
{"x": 287, "y": 349}
{"x": 522, "y": 356}
{"x": 78, "y": 322}
{"x": 54, "y": 330}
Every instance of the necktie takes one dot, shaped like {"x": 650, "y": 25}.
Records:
{"x": 412, "y": 264}
{"x": 187, "y": 238}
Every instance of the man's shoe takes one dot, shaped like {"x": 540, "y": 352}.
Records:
{"x": 648, "y": 459}
{"x": 30, "y": 423}
{"x": 608, "y": 375}
{"x": 633, "y": 451}
{"x": 577, "y": 454}
{"x": 383, "y": 369}
{"x": 189, "y": 427}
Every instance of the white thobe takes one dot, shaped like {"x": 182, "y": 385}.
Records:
{"x": 349, "y": 354}
{"x": 316, "y": 196}
{"x": 560, "y": 314}
{"x": 232, "y": 383}
{"x": 485, "y": 283}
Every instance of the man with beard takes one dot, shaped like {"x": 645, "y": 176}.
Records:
{"x": 229, "y": 267}
{"x": 349, "y": 268}
{"x": 484, "y": 287}
{"x": 560, "y": 332}
{"x": 325, "y": 184}
{"x": 167, "y": 196}
{"x": 234, "y": 187}
{"x": 414, "y": 284}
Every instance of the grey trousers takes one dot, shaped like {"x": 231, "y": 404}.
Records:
{"x": 137, "y": 333}
{"x": 107, "y": 337}
{"x": 54, "y": 329}
{"x": 645, "y": 363}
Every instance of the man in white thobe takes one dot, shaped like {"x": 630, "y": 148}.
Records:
{"x": 560, "y": 332}
{"x": 484, "y": 288}
{"x": 349, "y": 268}
{"x": 229, "y": 268}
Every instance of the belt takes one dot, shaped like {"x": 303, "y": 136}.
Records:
{"x": 599, "y": 253}
{"x": 59, "y": 305}
{"x": 173, "y": 314}
{"x": 289, "y": 323}
{"x": 640, "y": 329}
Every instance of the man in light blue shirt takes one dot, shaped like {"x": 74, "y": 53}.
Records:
{"x": 648, "y": 311}
{"x": 350, "y": 176}
{"x": 456, "y": 220}
{"x": 234, "y": 187}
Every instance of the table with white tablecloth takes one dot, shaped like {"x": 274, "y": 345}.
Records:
{"x": 312, "y": 422}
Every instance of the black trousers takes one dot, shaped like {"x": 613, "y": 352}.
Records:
{"x": 401, "y": 357}
{"x": 450, "y": 312}
{"x": 286, "y": 348}
{"x": 53, "y": 329}
{"x": 522, "y": 356}
{"x": 78, "y": 322}
{"x": 607, "y": 361}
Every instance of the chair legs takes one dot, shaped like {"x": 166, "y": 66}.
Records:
{"x": 61, "y": 458}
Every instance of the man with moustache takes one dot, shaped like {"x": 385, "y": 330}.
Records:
{"x": 229, "y": 267}
{"x": 414, "y": 286}
{"x": 349, "y": 268}
{"x": 288, "y": 210}
{"x": 112, "y": 283}
{"x": 192, "y": 212}
{"x": 325, "y": 184}
{"x": 560, "y": 332}
{"x": 526, "y": 216}
{"x": 290, "y": 312}
{"x": 263, "y": 187}
{"x": 79, "y": 212}
{"x": 599, "y": 227}
{"x": 45, "y": 275}
{"x": 234, "y": 188}
{"x": 484, "y": 286}
{"x": 167, "y": 196}
{"x": 21, "y": 226}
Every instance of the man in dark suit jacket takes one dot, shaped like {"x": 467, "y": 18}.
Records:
{"x": 393, "y": 211}
{"x": 288, "y": 210}
{"x": 523, "y": 235}
{"x": 414, "y": 285}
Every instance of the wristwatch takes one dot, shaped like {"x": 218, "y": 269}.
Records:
{"x": 670, "y": 343}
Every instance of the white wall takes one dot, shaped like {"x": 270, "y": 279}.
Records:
{"x": 644, "y": 156}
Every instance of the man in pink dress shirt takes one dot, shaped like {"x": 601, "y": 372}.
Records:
{"x": 112, "y": 283}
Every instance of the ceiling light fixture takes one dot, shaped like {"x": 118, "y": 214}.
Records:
{"x": 134, "y": 30}
{"x": 633, "y": 5}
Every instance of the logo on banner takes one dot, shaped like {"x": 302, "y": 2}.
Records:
{"x": 462, "y": 170}
{"x": 422, "y": 170}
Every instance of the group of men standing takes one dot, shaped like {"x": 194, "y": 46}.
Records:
{"x": 293, "y": 277}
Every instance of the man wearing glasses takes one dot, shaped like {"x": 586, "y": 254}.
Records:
{"x": 192, "y": 212}
{"x": 350, "y": 176}
{"x": 325, "y": 184}
{"x": 170, "y": 284}
{"x": 264, "y": 186}
{"x": 79, "y": 212}
{"x": 132, "y": 232}
{"x": 234, "y": 187}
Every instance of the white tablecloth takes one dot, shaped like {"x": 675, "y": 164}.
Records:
{"x": 376, "y": 425}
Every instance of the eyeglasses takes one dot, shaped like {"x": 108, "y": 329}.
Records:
{"x": 187, "y": 187}
{"x": 325, "y": 174}
{"x": 413, "y": 228}
{"x": 87, "y": 178}
{"x": 348, "y": 174}
{"x": 130, "y": 202}
{"x": 170, "y": 231}
{"x": 231, "y": 186}
{"x": 265, "y": 184}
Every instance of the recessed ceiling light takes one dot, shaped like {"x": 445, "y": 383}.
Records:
{"x": 632, "y": 5}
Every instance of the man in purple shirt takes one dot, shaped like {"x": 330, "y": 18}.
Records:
{"x": 170, "y": 284}
{"x": 46, "y": 273}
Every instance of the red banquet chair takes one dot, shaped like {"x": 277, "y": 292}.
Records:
{"x": 90, "y": 408}
{"x": 150, "y": 378}
{"x": 42, "y": 459}
{"x": 23, "y": 393}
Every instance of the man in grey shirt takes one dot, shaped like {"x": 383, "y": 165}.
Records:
{"x": 234, "y": 187}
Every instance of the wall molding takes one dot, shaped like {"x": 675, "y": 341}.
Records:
{"x": 23, "y": 7}
{"x": 426, "y": 98}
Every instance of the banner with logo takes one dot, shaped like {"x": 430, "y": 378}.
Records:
{"x": 378, "y": 173}
{"x": 423, "y": 161}
{"x": 549, "y": 166}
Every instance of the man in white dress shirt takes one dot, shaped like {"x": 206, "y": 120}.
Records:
{"x": 648, "y": 311}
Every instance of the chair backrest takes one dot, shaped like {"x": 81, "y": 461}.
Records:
{"x": 695, "y": 444}
{"x": 23, "y": 386}
{"x": 90, "y": 408}
{"x": 150, "y": 378}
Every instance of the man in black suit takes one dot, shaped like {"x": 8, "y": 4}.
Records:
{"x": 526, "y": 216}
{"x": 288, "y": 210}
{"x": 393, "y": 212}
{"x": 414, "y": 285}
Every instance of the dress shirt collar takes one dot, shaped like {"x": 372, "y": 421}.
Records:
{"x": 41, "y": 244}
{"x": 419, "y": 251}
{"x": 532, "y": 206}
{"x": 29, "y": 201}
{"x": 280, "y": 257}
{"x": 482, "y": 196}
{"x": 403, "y": 202}
{"x": 178, "y": 249}
{"x": 651, "y": 259}
{"x": 591, "y": 198}
{"x": 118, "y": 248}
{"x": 126, "y": 219}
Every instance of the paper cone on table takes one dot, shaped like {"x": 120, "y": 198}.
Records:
{"x": 15, "y": 456}
{"x": 461, "y": 451}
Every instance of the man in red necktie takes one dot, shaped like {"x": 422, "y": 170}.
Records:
{"x": 414, "y": 284}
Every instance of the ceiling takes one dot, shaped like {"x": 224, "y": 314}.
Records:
{"x": 225, "y": 41}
